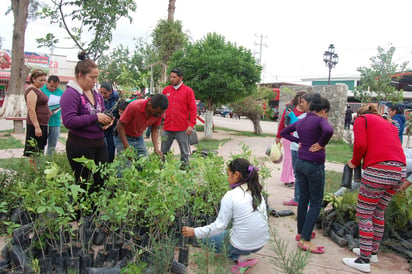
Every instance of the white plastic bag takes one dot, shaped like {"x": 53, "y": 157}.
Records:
{"x": 276, "y": 155}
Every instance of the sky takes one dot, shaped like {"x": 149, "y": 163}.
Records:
{"x": 293, "y": 34}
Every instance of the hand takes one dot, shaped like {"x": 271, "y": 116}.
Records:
{"x": 104, "y": 119}
{"x": 189, "y": 130}
{"x": 188, "y": 231}
{"x": 352, "y": 166}
{"x": 158, "y": 152}
{"x": 277, "y": 140}
{"x": 38, "y": 132}
{"x": 315, "y": 147}
{"x": 109, "y": 124}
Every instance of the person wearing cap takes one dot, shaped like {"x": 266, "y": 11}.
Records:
{"x": 180, "y": 116}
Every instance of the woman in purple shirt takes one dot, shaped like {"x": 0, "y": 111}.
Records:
{"x": 82, "y": 109}
{"x": 314, "y": 133}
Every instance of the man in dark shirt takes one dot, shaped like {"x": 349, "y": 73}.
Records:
{"x": 348, "y": 117}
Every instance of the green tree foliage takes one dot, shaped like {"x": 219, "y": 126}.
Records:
{"x": 168, "y": 37}
{"x": 124, "y": 68}
{"x": 88, "y": 23}
{"x": 219, "y": 72}
{"x": 254, "y": 106}
{"x": 375, "y": 80}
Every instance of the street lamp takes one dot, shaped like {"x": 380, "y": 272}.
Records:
{"x": 330, "y": 58}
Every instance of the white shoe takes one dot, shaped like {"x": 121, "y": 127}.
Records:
{"x": 361, "y": 267}
{"x": 374, "y": 258}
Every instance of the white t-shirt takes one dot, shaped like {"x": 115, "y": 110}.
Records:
{"x": 250, "y": 228}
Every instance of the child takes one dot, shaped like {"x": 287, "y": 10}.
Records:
{"x": 245, "y": 207}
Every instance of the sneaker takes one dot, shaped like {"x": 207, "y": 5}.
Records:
{"x": 357, "y": 263}
{"x": 374, "y": 258}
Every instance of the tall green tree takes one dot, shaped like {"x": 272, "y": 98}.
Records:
{"x": 168, "y": 37}
{"x": 219, "y": 72}
{"x": 89, "y": 24}
{"x": 376, "y": 80}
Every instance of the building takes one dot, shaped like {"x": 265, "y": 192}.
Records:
{"x": 53, "y": 64}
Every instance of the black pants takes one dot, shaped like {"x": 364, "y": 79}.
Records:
{"x": 98, "y": 154}
{"x": 347, "y": 123}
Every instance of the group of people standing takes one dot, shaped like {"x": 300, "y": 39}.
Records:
{"x": 304, "y": 130}
{"x": 377, "y": 147}
{"x": 90, "y": 117}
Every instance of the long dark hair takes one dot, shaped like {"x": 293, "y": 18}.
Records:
{"x": 319, "y": 103}
{"x": 250, "y": 176}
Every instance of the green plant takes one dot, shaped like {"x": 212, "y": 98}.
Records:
{"x": 290, "y": 263}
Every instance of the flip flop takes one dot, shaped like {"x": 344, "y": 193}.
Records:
{"x": 318, "y": 250}
{"x": 244, "y": 267}
{"x": 290, "y": 203}
{"x": 297, "y": 237}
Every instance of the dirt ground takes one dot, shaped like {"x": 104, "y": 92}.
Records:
{"x": 329, "y": 262}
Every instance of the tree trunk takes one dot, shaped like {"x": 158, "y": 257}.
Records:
{"x": 209, "y": 120}
{"x": 257, "y": 129}
{"x": 14, "y": 103}
{"x": 171, "y": 11}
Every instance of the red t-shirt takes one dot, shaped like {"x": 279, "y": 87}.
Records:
{"x": 281, "y": 125}
{"x": 182, "y": 110}
{"x": 135, "y": 120}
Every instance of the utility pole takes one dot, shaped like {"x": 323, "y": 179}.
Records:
{"x": 260, "y": 44}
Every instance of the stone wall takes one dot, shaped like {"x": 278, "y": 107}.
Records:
{"x": 337, "y": 96}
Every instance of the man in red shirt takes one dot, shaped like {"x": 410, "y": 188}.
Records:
{"x": 180, "y": 117}
{"x": 138, "y": 115}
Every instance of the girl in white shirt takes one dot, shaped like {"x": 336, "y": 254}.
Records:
{"x": 245, "y": 207}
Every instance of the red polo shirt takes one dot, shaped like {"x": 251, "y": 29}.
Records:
{"x": 135, "y": 120}
{"x": 182, "y": 111}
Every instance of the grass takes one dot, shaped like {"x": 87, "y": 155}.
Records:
{"x": 332, "y": 181}
{"x": 244, "y": 133}
{"x": 211, "y": 144}
{"x": 338, "y": 151}
{"x": 7, "y": 141}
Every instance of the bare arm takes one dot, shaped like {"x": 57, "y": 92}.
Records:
{"x": 155, "y": 139}
{"x": 122, "y": 134}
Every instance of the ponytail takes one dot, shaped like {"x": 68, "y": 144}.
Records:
{"x": 250, "y": 176}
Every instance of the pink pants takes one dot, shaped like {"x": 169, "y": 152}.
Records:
{"x": 287, "y": 175}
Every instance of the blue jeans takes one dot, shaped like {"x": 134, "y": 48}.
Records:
{"x": 52, "y": 138}
{"x": 182, "y": 139}
{"x": 136, "y": 142}
{"x": 221, "y": 243}
{"x": 297, "y": 187}
{"x": 311, "y": 178}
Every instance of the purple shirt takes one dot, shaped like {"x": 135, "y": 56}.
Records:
{"x": 311, "y": 130}
{"x": 79, "y": 115}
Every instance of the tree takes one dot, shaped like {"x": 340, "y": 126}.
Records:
{"x": 376, "y": 80}
{"x": 168, "y": 37}
{"x": 14, "y": 104}
{"x": 254, "y": 107}
{"x": 219, "y": 72}
{"x": 92, "y": 21}
{"x": 124, "y": 69}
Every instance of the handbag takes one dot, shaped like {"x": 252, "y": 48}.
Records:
{"x": 347, "y": 177}
{"x": 276, "y": 155}
{"x": 193, "y": 139}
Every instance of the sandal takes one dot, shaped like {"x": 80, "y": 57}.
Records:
{"x": 244, "y": 267}
{"x": 297, "y": 237}
{"x": 318, "y": 250}
{"x": 291, "y": 202}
